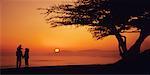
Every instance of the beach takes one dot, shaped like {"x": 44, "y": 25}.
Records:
{"x": 131, "y": 65}
{"x": 47, "y": 60}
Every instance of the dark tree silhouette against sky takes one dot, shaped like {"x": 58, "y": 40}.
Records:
{"x": 106, "y": 17}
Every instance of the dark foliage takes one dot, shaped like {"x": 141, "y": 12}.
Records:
{"x": 106, "y": 17}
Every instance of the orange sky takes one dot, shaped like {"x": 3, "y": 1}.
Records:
{"x": 23, "y": 24}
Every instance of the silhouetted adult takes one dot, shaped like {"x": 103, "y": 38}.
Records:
{"x": 19, "y": 56}
{"x": 26, "y": 57}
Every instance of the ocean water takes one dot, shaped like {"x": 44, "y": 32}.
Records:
{"x": 35, "y": 61}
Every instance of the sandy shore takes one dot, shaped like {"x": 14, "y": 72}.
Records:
{"x": 132, "y": 65}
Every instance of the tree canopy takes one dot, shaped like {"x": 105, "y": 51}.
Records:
{"x": 106, "y": 17}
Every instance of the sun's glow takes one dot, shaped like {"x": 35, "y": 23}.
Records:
{"x": 57, "y": 50}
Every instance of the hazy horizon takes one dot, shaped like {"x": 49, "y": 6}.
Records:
{"x": 69, "y": 52}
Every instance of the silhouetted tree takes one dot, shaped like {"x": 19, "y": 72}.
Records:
{"x": 135, "y": 13}
{"x": 105, "y": 17}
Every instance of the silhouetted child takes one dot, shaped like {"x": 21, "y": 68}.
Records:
{"x": 26, "y": 57}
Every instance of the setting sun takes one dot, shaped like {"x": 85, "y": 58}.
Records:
{"x": 57, "y": 50}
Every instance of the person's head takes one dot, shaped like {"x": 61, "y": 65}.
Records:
{"x": 27, "y": 49}
{"x": 19, "y": 46}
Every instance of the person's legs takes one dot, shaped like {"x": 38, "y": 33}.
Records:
{"x": 26, "y": 63}
{"x": 17, "y": 63}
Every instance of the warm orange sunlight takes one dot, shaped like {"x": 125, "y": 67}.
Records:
{"x": 23, "y": 24}
{"x": 57, "y": 50}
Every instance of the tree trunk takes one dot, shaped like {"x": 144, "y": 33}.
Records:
{"x": 122, "y": 45}
{"x": 121, "y": 42}
{"x": 135, "y": 49}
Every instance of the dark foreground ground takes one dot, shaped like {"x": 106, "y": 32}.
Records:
{"x": 134, "y": 65}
